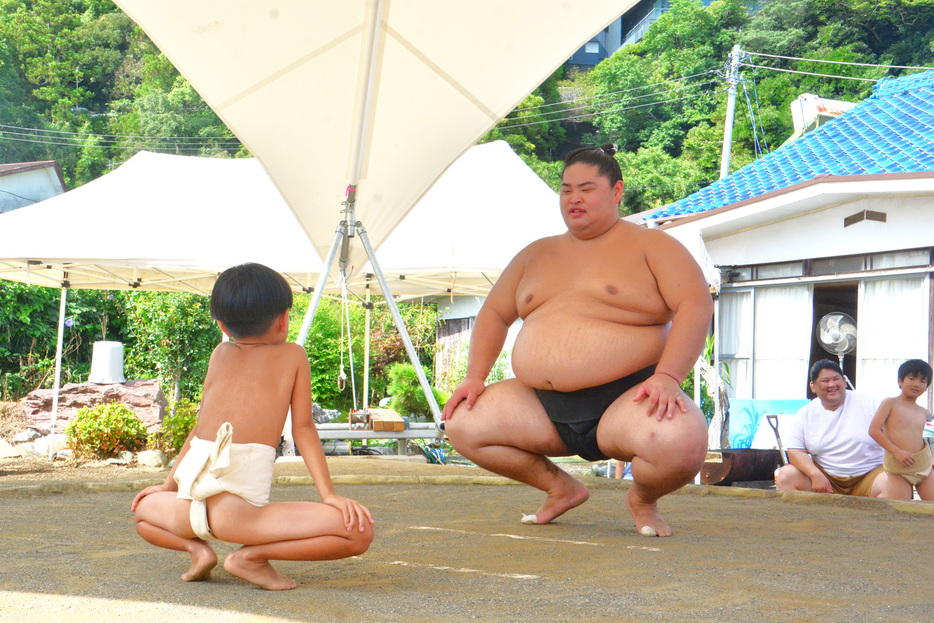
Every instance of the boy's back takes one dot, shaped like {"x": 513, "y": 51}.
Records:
{"x": 251, "y": 385}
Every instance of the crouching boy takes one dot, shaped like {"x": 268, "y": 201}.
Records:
{"x": 219, "y": 487}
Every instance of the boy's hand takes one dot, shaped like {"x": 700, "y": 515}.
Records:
{"x": 354, "y": 512}
{"x": 145, "y": 492}
{"x": 905, "y": 458}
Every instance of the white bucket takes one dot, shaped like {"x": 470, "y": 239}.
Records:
{"x": 107, "y": 363}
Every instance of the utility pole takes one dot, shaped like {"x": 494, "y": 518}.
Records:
{"x": 732, "y": 78}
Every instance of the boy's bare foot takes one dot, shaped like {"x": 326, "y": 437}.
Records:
{"x": 259, "y": 572}
{"x": 568, "y": 494}
{"x": 648, "y": 520}
{"x": 203, "y": 560}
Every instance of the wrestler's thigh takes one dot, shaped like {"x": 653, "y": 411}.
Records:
{"x": 166, "y": 511}
{"x": 507, "y": 413}
{"x": 625, "y": 430}
{"x": 235, "y": 520}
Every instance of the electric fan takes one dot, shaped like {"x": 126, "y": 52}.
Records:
{"x": 836, "y": 333}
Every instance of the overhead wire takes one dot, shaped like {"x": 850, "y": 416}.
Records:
{"x": 564, "y": 112}
{"x": 818, "y": 60}
{"x": 808, "y": 73}
{"x": 611, "y": 93}
{"x": 62, "y": 138}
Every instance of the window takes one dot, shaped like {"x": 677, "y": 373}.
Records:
{"x": 592, "y": 47}
{"x": 777, "y": 271}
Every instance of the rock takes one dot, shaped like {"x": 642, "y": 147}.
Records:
{"x": 144, "y": 398}
{"x": 116, "y": 461}
{"x": 152, "y": 458}
{"x": 26, "y": 436}
{"x": 64, "y": 455}
{"x": 8, "y": 450}
{"x": 41, "y": 445}
{"x": 323, "y": 416}
{"x": 126, "y": 455}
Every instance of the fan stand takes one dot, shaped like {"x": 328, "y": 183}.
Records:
{"x": 848, "y": 381}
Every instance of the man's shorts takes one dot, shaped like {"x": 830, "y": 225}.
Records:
{"x": 859, "y": 486}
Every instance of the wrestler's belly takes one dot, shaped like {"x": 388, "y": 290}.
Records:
{"x": 566, "y": 355}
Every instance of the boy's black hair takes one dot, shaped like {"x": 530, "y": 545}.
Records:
{"x": 601, "y": 157}
{"x": 915, "y": 367}
{"x": 824, "y": 364}
{"x": 247, "y": 298}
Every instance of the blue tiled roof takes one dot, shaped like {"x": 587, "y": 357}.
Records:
{"x": 890, "y": 132}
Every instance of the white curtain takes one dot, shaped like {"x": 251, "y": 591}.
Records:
{"x": 735, "y": 338}
{"x": 893, "y": 326}
{"x": 783, "y": 341}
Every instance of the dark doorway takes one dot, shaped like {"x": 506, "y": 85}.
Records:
{"x": 834, "y": 297}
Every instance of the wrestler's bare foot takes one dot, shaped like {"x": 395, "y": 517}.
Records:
{"x": 648, "y": 520}
{"x": 568, "y": 493}
{"x": 203, "y": 560}
{"x": 259, "y": 572}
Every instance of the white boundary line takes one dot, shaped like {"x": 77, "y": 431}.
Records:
{"x": 529, "y": 538}
{"x": 511, "y": 576}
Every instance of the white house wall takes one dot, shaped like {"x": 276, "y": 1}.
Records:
{"x": 23, "y": 188}
{"x": 909, "y": 224}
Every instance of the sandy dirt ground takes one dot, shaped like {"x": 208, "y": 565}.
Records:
{"x": 450, "y": 547}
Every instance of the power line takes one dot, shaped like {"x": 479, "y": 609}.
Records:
{"x": 66, "y": 133}
{"x": 679, "y": 99}
{"x": 817, "y": 60}
{"x": 808, "y": 73}
{"x": 581, "y": 99}
{"x": 605, "y": 105}
{"x": 140, "y": 145}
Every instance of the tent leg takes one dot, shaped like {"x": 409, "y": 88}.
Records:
{"x": 288, "y": 444}
{"x": 397, "y": 318}
{"x": 322, "y": 280}
{"x": 58, "y": 369}
{"x": 366, "y": 355}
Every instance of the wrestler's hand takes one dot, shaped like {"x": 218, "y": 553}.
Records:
{"x": 905, "y": 458}
{"x": 467, "y": 392}
{"x": 663, "y": 396}
{"x": 354, "y": 513}
{"x": 820, "y": 484}
{"x": 144, "y": 493}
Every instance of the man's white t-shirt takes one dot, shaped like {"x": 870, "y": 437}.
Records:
{"x": 838, "y": 440}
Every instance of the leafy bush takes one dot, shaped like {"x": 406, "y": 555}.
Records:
{"x": 177, "y": 427}
{"x": 408, "y": 398}
{"x": 105, "y": 430}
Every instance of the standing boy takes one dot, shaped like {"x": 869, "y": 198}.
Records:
{"x": 898, "y": 427}
{"x": 219, "y": 487}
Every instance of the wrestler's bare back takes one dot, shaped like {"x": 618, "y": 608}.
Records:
{"x": 252, "y": 387}
{"x": 592, "y": 310}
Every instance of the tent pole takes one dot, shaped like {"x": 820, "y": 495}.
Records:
{"x": 366, "y": 353}
{"x": 319, "y": 288}
{"x": 58, "y": 369}
{"x": 397, "y": 318}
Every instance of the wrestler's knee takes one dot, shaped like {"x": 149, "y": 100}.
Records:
{"x": 360, "y": 541}
{"x": 685, "y": 445}
{"x": 460, "y": 430}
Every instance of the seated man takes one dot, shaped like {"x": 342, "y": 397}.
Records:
{"x": 615, "y": 316}
{"x": 828, "y": 443}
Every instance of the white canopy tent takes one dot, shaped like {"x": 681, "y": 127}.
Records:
{"x": 154, "y": 224}
{"x": 458, "y": 238}
{"x": 365, "y": 99}
{"x": 380, "y": 95}
{"x": 158, "y": 222}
